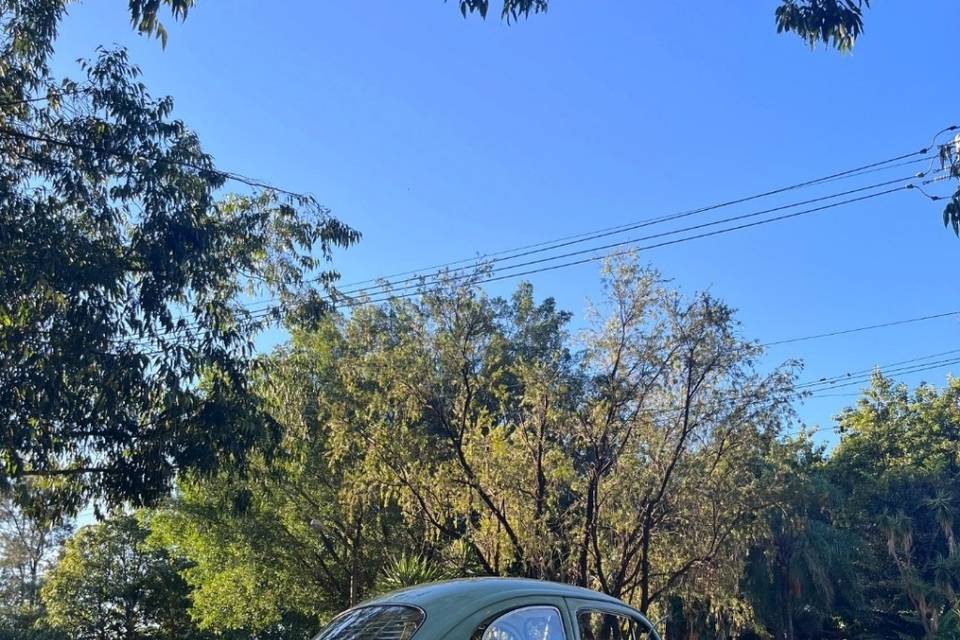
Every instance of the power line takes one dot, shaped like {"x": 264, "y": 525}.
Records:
{"x": 901, "y": 160}
{"x": 390, "y": 296}
{"x": 862, "y": 170}
{"x": 498, "y": 274}
{"x": 604, "y": 234}
{"x": 501, "y": 273}
{"x": 225, "y": 175}
{"x": 869, "y": 371}
{"x": 52, "y": 93}
{"x": 557, "y": 244}
{"x": 851, "y": 379}
{"x": 882, "y": 325}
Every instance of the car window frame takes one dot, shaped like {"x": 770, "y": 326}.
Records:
{"x": 485, "y": 624}
{"x": 376, "y": 605}
{"x": 577, "y": 606}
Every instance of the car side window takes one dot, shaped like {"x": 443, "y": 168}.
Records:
{"x": 604, "y": 625}
{"x": 527, "y": 623}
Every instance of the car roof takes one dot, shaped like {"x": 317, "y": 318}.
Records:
{"x": 484, "y": 591}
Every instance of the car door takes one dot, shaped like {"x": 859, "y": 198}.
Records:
{"x": 602, "y": 620}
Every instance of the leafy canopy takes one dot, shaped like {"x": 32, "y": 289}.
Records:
{"x": 127, "y": 275}
{"x": 461, "y": 434}
{"x": 109, "y": 585}
{"x": 898, "y": 465}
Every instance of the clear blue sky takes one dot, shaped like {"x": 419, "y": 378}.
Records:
{"x": 441, "y": 138}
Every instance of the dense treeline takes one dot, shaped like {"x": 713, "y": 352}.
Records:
{"x": 646, "y": 456}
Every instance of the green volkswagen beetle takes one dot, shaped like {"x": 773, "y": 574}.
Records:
{"x": 491, "y": 609}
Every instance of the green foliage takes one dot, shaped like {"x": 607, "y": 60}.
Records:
{"x": 950, "y": 625}
{"x": 29, "y": 542}
{"x": 454, "y": 434}
{"x": 803, "y": 576}
{"x": 307, "y": 532}
{"x": 835, "y": 22}
{"x": 950, "y": 159}
{"x": 898, "y": 465}
{"x": 459, "y": 434}
{"x": 125, "y": 273}
{"x": 510, "y": 10}
{"x": 109, "y": 585}
{"x": 143, "y": 15}
{"x": 407, "y": 570}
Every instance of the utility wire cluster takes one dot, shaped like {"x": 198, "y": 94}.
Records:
{"x": 593, "y": 246}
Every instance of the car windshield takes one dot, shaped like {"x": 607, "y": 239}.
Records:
{"x": 393, "y": 622}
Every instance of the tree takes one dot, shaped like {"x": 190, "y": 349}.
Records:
{"x": 126, "y": 275}
{"x": 673, "y": 431}
{"x": 898, "y": 463}
{"x": 306, "y": 531}
{"x": 803, "y": 575}
{"x": 29, "y": 542}
{"x": 459, "y": 434}
{"x": 109, "y": 585}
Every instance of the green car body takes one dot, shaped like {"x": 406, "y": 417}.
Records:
{"x": 491, "y": 609}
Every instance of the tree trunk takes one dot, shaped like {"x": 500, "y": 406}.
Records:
{"x": 645, "y": 567}
{"x": 786, "y": 631}
{"x": 355, "y": 593}
{"x": 583, "y": 570}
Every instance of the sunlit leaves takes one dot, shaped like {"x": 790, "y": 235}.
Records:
{"x": 144, "y": 15}
{"x": 109, "y": 584}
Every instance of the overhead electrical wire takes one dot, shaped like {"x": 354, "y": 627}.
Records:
{"x": 899, "y": 371}
{"x": 499, "y": 274}
{"x": 882, "y": 325}
{"x": 266, "y": 307}
{"x": 482, "y": 280}
{"x": 9, "y": 132}
{"x": 902, "y": 364}
{"x": 847, "y": 174}
{"x": 604, "y": 234}
{"x": 879, "y": 165}
{"x": 898, "y": 161}
{"x": 810, "y": 389}
{"x": 408, "y": 288}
